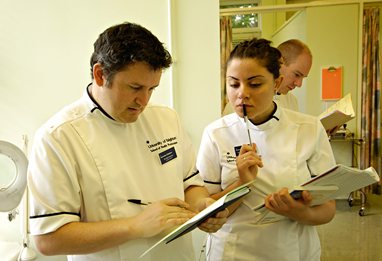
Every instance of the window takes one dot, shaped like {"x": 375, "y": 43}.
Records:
{"x": 244, "y": 26}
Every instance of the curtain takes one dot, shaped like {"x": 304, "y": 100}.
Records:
{"x": 225, "y": 49}
{"x": 370, "y": 92}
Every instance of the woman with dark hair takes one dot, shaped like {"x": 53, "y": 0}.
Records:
{"x": 288, "y": 149}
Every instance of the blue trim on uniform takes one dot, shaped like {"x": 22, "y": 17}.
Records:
{"x": 213, "y": 182}
{"x": 272, "y": 116}
{"x": 55, "y": 214}
{"x": 196, "y": 173}
{"x": 98, "y": 106}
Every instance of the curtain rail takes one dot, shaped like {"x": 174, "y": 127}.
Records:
{"x": 289, "y": 7}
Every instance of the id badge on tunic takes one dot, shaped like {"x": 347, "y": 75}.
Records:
{"x": 167, "y": 155}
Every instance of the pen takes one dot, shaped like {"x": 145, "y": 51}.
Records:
{"x": 247, "y": 124}
{"x": 138, "y": 202}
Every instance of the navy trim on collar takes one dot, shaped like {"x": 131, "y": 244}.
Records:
{"x": 272, "y": 116}
{"x": 96, "y": 103}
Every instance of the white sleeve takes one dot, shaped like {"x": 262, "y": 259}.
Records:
{"x": 208, "y": 163}
{"x": 322, "y": 158}
{"x": 54, "y": 190}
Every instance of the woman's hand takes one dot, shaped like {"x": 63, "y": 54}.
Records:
{"x": 213, "y": 224}
{"x": 283, "y": 203}
{"x": 248, "y": 163}
{"x": 300, "y": 210}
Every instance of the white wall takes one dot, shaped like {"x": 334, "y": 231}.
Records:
{"x": 45, "y": 51}
{"x": 331, "y": 33}
{"x": 295, "y": 28}
{"x": 197, "y": 70}
{"x": 197, "y": 66}
{"x": 45, "y": 47}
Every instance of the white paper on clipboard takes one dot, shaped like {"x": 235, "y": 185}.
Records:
{"x": 346, "y": 179}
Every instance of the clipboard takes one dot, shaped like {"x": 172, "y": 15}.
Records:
{"x": 333, "y": 183}
{"x": 331, "y": 83}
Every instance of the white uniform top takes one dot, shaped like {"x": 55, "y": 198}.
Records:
{"x": 294, "y": 146}
{"x": 288, "y": 101}
{"x": 84, "y": 167}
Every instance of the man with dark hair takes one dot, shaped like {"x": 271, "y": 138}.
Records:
{"x": 111, "y": 146}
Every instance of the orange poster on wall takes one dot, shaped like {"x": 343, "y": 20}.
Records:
{"x": 331, "y": 88}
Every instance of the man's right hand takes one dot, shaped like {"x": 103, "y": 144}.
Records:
{"x": 160, "y": 216}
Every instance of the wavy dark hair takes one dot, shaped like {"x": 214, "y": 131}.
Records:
{"x": 124, "y": 44}
{"x": 261, "y": 50}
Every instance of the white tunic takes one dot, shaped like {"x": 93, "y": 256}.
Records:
{"x": 294, "y": 146}
{"x": 84, "y": 166}
{"x": 288, "y": 101}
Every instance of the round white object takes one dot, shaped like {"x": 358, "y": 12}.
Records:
{"x": 12, "y": 193}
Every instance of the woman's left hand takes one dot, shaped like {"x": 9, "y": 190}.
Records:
{"x": 283, "y": 203}
{"x": 213, "y": 224}
{"x": 300, "y": 210}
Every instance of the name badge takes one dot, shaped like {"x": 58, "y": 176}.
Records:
{"x": 237, "y": 150}
{"x": 167, "y": 155}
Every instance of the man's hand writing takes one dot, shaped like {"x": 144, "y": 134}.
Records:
{"x": 162, "y": 215}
